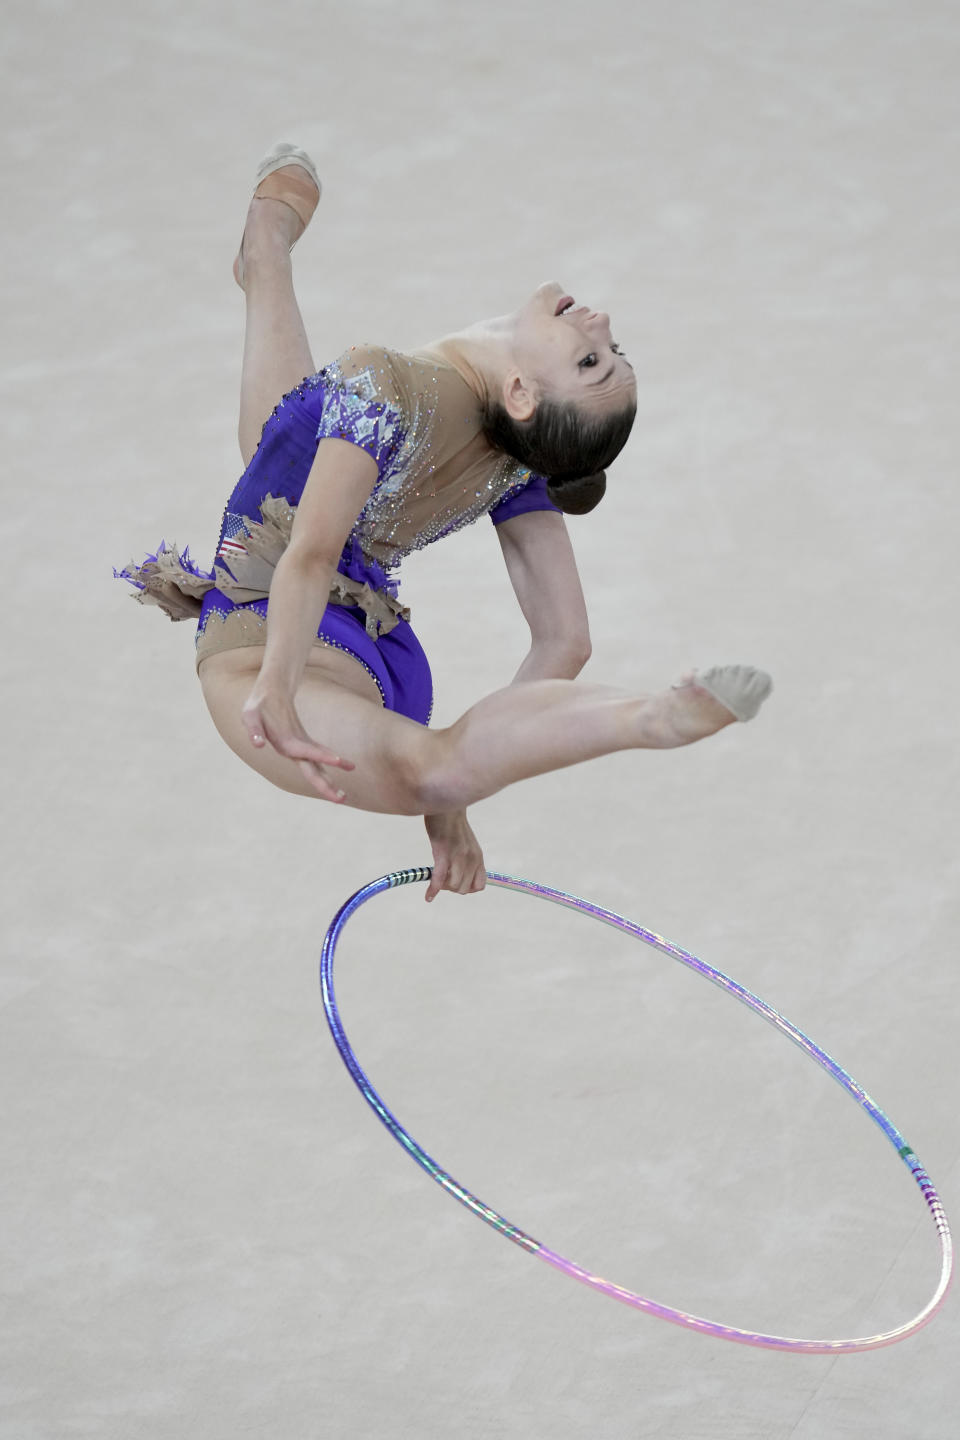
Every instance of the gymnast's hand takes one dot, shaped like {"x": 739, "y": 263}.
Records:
{"x": 457, "y": 857}
{"x": 271, "y": 717}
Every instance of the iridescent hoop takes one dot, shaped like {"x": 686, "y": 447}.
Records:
{"x": 526, "y": 1242}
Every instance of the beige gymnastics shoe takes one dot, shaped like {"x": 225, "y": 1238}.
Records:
{"x": 289, "y": 175}
{"x": 740, "y": 688}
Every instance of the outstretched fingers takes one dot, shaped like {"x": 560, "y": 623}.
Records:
{"x": 311, "y": 767}
{"x": 311, "y": 760}
{"x": 287, "y": 736}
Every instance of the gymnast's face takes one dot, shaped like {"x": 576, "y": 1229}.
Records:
{"x": 568, "y": 352}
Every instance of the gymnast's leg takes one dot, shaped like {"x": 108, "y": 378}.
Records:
{"x": 405, "y": 769}
{"x": 276, "y": 352}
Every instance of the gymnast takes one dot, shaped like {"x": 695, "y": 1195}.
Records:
{"x": 359, "y": 464}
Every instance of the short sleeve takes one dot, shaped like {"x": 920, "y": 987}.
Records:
{"x": 375, "y": 426}
{"x": 529, "y": 494}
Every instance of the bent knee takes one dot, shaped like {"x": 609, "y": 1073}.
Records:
{"x": 408, "y": 778}
{"x": 440, "y": 782}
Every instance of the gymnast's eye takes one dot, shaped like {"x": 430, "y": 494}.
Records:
{"x": 616, "y": 349}
{"x": 588, "y": 361}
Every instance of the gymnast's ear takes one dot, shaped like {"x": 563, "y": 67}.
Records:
{"x": 578, "y": 497}
{"x": 519, "y": 400}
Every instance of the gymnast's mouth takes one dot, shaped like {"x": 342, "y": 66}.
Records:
{"x": 564, "y": 305}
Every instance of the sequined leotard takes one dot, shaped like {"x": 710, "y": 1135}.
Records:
{"x": 436, "y": 472}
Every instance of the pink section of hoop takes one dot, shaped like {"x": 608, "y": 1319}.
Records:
{"x": 730, "y": 1332}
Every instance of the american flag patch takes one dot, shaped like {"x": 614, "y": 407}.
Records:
{"x": 234, "y": 534}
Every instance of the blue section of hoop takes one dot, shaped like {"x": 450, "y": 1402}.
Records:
{"x": 360, "y": 1079}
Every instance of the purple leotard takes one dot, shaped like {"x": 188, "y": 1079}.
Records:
{"x": 418, "y": 420}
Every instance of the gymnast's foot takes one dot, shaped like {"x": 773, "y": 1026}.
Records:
{"x": 701, "y": 704}
{"x": 281, "y": 209}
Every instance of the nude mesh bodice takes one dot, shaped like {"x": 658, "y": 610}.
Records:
{"x": 421, "y": 422}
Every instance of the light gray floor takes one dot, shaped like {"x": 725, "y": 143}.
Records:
{"x": 205, "y": 1232}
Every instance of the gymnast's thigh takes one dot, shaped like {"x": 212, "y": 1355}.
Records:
{"x": 340, "y": 706}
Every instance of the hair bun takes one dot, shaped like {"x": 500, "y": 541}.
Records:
{"x": 580, "y": 495}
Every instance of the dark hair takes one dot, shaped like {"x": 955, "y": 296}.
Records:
{"x": 571, "y": 447}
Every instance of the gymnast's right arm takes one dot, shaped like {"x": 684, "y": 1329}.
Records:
{"x": 340, "y": 483}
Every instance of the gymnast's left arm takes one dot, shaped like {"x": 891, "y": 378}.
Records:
{"x": 543, "y": 572}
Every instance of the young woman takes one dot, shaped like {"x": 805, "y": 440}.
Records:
{"x": 359, "y": 464}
